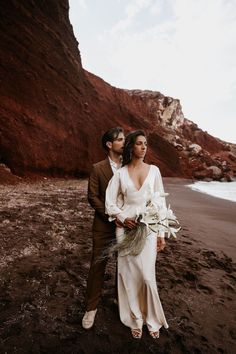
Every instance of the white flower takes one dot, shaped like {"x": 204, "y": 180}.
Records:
{"x": 159, "y": 218}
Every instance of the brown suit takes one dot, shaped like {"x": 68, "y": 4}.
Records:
{"x": 103, "y": 230}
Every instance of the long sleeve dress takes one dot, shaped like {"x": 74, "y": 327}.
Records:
{"x": 138, "y": 298}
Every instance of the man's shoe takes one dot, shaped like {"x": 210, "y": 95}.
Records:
{"x": 88, "y": 319}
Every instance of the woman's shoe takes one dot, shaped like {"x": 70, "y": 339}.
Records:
{"x": 136, "y": 333}
{"x": 154, "y": 334}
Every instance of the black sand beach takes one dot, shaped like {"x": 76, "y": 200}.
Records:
{"x": 45, "y": 250}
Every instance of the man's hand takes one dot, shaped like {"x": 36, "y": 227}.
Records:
{"x": 130, "y": 223}
{"x": 161, "y": 243}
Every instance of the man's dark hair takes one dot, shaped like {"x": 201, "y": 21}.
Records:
{"x": 111, "y": 135}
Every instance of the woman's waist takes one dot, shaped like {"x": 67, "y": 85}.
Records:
{"x": 132, "y": 210}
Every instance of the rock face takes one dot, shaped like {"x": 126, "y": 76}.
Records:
{"x": 43, "y": 96}
{"x": 53, "y": 112}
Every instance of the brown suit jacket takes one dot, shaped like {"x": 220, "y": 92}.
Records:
{"x": 98, "y": 181}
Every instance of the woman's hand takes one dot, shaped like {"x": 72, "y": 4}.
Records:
{"x": 161, "y": 243}
{"x": 130, "y": 223}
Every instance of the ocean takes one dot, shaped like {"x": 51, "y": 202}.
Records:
{"x": 223, "y": 190}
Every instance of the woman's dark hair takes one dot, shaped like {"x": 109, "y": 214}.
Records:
{"x": 129, "y": 144}
{"x": 111, "y": 135}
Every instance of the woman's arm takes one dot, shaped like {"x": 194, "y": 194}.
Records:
{"x": 112, "y": 192}
{"x": 159, "y": 198}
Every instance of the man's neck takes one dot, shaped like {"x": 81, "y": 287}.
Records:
{"x": 115, "y": 157}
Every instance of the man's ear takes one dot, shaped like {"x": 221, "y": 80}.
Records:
{"x": 109, "y": 144}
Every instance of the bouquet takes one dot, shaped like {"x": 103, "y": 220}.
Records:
{"x": 156, "y": 218}
{"x": 159, "y": 219}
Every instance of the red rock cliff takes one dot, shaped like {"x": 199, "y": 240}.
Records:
{"x": 52, "y": 112}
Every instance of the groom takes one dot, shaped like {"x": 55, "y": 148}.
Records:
{"x": 103, "y": 230}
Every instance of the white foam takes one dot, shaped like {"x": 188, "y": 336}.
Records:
{"x": 223, "y": 190}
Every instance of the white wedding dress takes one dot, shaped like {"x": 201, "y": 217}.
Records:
{"x": 138, "y": 298}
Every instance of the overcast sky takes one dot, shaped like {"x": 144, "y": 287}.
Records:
{"x": 185, "y": 49}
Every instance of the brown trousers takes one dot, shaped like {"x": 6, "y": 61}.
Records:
{"x": 101, "y": 240}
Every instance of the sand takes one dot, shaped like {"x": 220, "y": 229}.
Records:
{"x": 45, "y": 248}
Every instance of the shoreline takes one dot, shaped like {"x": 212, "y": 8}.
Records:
{"x": 208, "y": 214}
{"x": 198, "y": 186}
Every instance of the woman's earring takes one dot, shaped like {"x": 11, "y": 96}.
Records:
{"x": 130, "y": 155}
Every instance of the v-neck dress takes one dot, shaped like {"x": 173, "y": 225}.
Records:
{"x": 138, "y": 298}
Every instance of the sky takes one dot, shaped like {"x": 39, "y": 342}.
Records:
{"x": 185, "y": 49}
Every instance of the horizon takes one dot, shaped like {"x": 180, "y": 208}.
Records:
{"x": 181, "y": 48}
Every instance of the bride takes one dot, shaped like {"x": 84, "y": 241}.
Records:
{"x": 127, "y": 195}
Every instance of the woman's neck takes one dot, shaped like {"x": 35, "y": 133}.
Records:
{"x": 134, "y": 163}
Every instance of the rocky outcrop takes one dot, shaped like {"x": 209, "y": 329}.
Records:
{"x": 201, "y": 154}
{"x": 53, "y": 112}
{"x": 6, "y": 176}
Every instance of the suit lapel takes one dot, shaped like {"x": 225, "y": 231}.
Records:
{"x": 106, "y": 170}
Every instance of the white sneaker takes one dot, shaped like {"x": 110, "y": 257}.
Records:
{"x": 88, "y": 319}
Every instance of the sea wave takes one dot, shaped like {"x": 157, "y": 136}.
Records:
{"x": 223, "y": 190}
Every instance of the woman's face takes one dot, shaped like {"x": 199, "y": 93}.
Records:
{"x": 140, "y": 147}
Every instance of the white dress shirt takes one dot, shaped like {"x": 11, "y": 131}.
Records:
{"x": 114, "y": 166}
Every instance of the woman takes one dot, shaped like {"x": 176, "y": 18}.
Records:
{"x": 127, "y": 195}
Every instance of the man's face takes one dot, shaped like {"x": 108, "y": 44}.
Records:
{"x": 117, "y": 145}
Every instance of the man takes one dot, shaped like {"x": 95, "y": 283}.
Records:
{"x": 103, "y": 230}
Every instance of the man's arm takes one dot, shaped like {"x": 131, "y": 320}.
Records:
{"x": 94, "y": 195}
